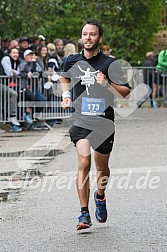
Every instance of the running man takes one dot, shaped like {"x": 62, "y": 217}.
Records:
{"x": 93, "y": 119}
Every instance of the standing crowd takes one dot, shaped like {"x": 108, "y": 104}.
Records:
{"x": 27, "y": 58}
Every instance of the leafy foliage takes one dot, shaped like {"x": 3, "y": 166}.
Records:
{"x": 128, "y": 25}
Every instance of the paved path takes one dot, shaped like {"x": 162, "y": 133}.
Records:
{"x": 42, "y": 216}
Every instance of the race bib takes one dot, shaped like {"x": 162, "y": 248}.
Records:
{"x": 93, "y": 106}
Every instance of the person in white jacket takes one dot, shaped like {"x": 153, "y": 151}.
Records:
{"x": 10, "y": 67}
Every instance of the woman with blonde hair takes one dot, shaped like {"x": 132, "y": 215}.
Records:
{"x": 69, "y": 48}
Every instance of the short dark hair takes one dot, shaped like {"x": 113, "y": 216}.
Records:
{"x": 94, "y": 22}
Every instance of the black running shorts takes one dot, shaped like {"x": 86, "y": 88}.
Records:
{"x": 104, "y": 147}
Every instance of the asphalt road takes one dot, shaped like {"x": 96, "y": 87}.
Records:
{"x": 41, "y": 214}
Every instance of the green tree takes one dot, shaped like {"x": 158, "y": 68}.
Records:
{"x": 22, "y": 17}
{"x": 128, "y": 25}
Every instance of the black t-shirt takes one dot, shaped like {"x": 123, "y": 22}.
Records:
{"x": 91, "y": 100}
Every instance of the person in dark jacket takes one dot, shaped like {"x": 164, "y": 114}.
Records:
{"x": 24, "y": 45}
{"x": 148, "y": 71}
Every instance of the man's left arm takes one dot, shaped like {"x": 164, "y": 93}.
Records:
{"x": 116, "y": 89}
{"x": 119, "y": 90}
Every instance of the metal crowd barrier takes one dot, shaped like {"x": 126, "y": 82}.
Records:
{"x": 147, "y": 75}
{"x": 144, "y": 75}
{"x": 50, "y": 103}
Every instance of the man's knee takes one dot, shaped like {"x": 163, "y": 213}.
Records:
{"x": 84, "y": 164}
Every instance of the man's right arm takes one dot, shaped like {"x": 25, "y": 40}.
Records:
{"x": 66, "y": 94}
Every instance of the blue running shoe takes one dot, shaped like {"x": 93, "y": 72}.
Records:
{"x": 15, "y": 128}
{"x": 84, "y": 221}
{"x": 101, "y": 211}
{"x": 28, "y": 119}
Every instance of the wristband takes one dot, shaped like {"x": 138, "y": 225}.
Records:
{"x": 66, "y": 94}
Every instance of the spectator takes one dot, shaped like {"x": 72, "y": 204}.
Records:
{"x": 53, "y": 62}
{"x": 11, "y": 62}
{"x": 34, "y": 43}
{"x": 59, "y": 44}
{"x": 69, "y": 49}
{"x": 59, "y": 48}
{"x": 148, "y": 72}
{"x": 27, "y": 68}
{"x": 51, "y": 49}
{"x": 5, "y": 45}
{"x": 4, "y": 48}
{"x": 42, "y": 57}
{"x": 106, "y": 50}
{"x": 14, "y": 44}
{"x": 10, "y": 67}
{"x": 42, "y": 60}
{"x": 160, "y": 75}
{"x": 24, "y": 45}
{"x": 55, "y": 66}
{"x": 80, "y": 46}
